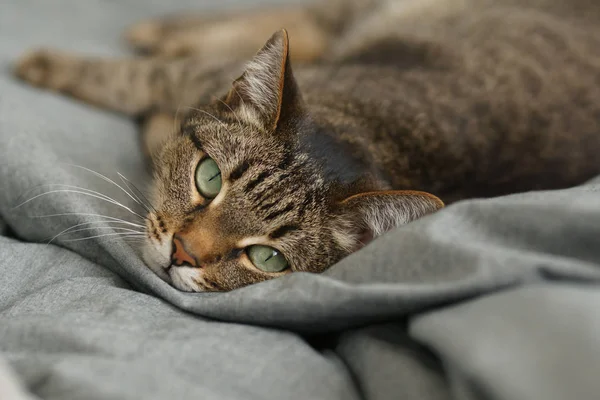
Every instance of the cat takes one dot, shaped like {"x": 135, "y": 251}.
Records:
{"x": 391, "y": 107}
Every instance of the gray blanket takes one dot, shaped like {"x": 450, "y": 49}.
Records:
{"x": 490, "y": 299}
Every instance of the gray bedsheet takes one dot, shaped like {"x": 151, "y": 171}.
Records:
{"x": 492, "y": 299}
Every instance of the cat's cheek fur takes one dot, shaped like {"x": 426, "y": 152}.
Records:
{"x": 157, "y": 257}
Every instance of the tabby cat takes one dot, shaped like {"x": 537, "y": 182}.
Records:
{"x": 388, "y": 101}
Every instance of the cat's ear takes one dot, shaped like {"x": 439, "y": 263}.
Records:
{"x": 267, "y": 88}
{"x": 371, "y": 214}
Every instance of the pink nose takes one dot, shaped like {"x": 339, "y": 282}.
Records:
{"x": 180, "y": 255}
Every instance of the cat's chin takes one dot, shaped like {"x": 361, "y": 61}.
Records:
{"x": 186, "y": 279}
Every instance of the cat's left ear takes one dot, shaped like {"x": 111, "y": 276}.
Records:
{"x": 267, "y": 88}
{"x": 372, "y": 214}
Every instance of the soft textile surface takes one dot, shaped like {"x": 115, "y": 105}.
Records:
{"x": 494, "y": 299}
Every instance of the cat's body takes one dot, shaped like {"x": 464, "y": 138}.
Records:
{"x": 460, "y": 98}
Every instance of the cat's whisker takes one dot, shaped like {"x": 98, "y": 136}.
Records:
{"x": 233, "y": 112}
{"x": 119, "y": 234}
{"x": 105, "y": 178}
{"x": 146, "y": 203}
{"x": 73, "y": 229}
{"x": 65, "y": 186}
{"x": 112, "y": 228}
{"x": 104, "y": 222}
{"x": 31, "y": 189}
{"x": 132, "y": 241}
{"x": 139, "y": 201}
{"x": 142, "y": 238}
{"x": 90, "y": 215}
{"x": 210, "y": 115}
{"x": 103, "y": 197}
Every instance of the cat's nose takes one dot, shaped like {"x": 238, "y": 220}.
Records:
{"x": 180, "y": 255}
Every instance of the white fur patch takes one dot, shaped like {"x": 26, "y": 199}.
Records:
{"x": 384, "y": 218}
{"x": 379, "y": 214}
{"x": 249, "y": 115}
{"x": 383, "y": 214}
{"x": 188, "y": 279}
{"x": 344, "y": 239}
{"x": 184, "y": 278}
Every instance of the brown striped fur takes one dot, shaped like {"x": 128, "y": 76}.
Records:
{"x": 459, "y": 98}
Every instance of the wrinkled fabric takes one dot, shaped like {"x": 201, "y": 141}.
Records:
{"x": 487, "y": 299}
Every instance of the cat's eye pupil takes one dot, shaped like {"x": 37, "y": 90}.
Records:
{"x": 267, "y": 258}
{"x": 208, "y": 178}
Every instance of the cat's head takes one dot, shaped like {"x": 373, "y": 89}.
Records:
{"x": 240, "y": 199}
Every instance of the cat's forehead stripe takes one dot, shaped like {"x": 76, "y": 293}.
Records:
{"x": 194, "y": 138}
{"x": 280, "y": 212}
{"x": 283, "y": 230}
{"x": 256, "y": 181}
{"x": 239, "y": 171}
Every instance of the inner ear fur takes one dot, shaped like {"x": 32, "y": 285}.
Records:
{"x": 267, "y": 89}
{"x": 372, "y": 214}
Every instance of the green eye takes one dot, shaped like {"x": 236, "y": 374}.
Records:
{"x": 208, "y": 178}
{"x": 267, "y": 259}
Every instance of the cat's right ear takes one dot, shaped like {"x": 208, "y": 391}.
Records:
{"x": 371, "y": 214}
{"x": 267, "y": 91}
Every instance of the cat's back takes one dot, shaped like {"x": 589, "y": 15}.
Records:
{"x": 496, "y": 95}
{"x": 469, "y": 27}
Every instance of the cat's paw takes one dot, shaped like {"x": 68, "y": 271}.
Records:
{"x": 44, "y": 68}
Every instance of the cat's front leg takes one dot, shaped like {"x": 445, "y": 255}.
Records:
{"x": 131, "y": 86}
{"x": 116, "y": 85}
{"x": 49, "y": 69}
{"x": 313, "y": 26}
{"x": 231, "y": 35}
